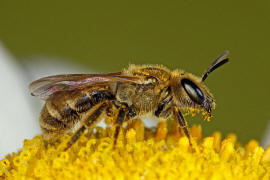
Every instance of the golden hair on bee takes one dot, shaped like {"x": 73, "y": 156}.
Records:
{"x": 121, "y": 96}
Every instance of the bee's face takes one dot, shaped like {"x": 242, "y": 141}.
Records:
{"x": 191, "y": 92}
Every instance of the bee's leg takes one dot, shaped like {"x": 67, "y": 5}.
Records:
{"x": 182, "y": 122}
{"x": 119, "y": 121}
{"x": 75, "y": 137}
{"x": 88, "y": 122}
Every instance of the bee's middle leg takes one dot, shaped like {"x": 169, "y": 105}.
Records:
{"x": 88, "y": 122}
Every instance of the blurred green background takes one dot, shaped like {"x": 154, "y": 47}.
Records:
{"x": 108, "y": 35}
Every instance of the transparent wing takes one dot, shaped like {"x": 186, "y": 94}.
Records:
{"x": 44, "y": 87}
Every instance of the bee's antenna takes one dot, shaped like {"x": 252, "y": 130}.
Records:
{"x": 216, "y": 63}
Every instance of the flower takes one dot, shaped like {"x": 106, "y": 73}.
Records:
{"x": 140, "y": 153}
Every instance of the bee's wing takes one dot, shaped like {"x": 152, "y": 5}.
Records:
{"x": 44, "y": 87}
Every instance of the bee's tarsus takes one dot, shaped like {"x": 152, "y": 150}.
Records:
{"x": 75, "y": 137}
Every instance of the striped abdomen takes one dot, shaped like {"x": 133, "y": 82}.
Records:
{"x": 64, "y": 109}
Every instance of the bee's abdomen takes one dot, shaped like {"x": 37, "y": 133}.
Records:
{"x": 83, "y": 104}
{"x": 57, "y": 117}
{"x": 87, "y": 101}
{"x": 49, "y": 122}
{"x": 53, "y": 127}
{"x": 69, "y": 114}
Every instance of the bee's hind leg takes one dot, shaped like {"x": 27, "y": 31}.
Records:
{"x": 88, "y": 122}
{"x": 121, "y": 117}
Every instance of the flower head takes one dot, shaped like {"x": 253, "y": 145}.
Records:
{"x": 140, "y": 153}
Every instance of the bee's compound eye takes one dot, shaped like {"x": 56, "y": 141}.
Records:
{"x": 193, "y": 91}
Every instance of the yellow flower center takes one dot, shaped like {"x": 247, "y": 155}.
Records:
{"x": 140, "y": 153}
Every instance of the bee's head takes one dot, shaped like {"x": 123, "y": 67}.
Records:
{"x": 191, "y": 92}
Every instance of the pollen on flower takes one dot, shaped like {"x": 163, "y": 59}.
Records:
{"x": 140, "y": 153}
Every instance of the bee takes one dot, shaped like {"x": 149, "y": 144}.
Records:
{"x": 85, "y": 99}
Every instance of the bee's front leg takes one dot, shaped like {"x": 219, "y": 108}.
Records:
{"x": 182, "y": 122}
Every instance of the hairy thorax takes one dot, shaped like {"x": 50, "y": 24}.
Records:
{"x": 143, "y": 98}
